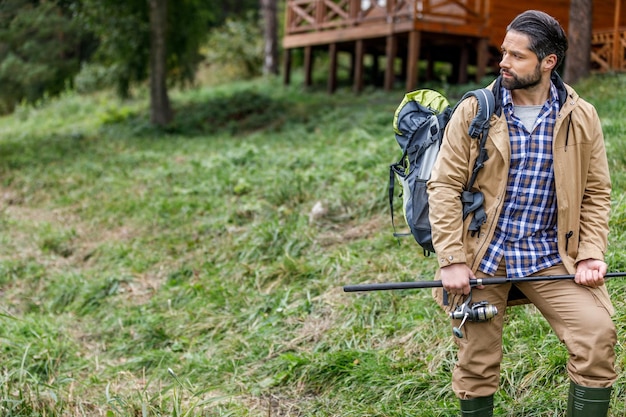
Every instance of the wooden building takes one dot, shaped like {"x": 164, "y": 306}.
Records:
{"x": 401, "y": 33}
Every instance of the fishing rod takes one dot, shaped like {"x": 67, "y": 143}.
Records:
{"x": 467, "y": 311}
{"x": 473, "y": 282}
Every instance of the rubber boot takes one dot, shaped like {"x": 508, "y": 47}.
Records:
{"x": 477, "y": 407}
{"x": 588, "y": 402}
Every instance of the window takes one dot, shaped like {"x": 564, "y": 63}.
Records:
{"x": 366, "y": 4}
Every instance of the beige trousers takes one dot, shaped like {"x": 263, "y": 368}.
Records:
{"x": 579, "y": 316}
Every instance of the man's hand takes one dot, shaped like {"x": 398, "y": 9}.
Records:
{"x": 590, "y": 272}
{"x": 455, "y": 279}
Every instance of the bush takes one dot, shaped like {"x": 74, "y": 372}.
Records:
{"x": 234, "y": 51}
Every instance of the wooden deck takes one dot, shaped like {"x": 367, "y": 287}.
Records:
{"x": 448, "y": 30}
{"x": 318, "y": 22}
{"x": 461, "y": 32}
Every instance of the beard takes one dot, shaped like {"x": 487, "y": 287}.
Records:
{"x": 521, "y": 83}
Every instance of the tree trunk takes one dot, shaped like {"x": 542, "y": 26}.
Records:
{"x": 270, "y": 35}
{"x": 578, "y": 60}
{"x": 160, "y": 111}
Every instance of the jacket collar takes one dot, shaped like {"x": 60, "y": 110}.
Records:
{"x": 560, "y": 88}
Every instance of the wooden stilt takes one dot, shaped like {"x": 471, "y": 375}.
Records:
{"x": 482, "y": 55}
{"x": 412, "y": 64}
{"x": 332, "y": 70}
{"x": 391, "y": 51}
{"x": 462, "y": 64}
{"x": 358, "y": 66}
{"x": 287, "y": 66}
{"x": 308, "y": 66}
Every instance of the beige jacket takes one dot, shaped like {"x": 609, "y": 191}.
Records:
{"x": 582, "y": 180}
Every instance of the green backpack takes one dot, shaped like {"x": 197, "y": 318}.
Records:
{"x": 418, "y": 124}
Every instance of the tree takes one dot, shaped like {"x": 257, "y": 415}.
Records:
{"x": 270, "y": 35}
{"x": 578, "y": 61}
{"x": 41, "y": 48}
{"x": 160, "y": 111}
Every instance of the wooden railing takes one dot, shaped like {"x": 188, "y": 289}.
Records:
{"x": 606, "y": 54}
{"x": 454, "y": 12}
{"x": 319, "y": 15}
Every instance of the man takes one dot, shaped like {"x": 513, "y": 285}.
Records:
{"x": 546, "y": 189}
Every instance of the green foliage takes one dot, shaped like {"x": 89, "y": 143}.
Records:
{"x": 94, "y": 77}
{"x": 235, "y": 50}
{"x": 184, "y": 272}
{"x": 39, "y": 51}
{"x": 188, "y": 22}
{"x": 236, "y": 113}
{"x": 123, "y": 30}
{"x": 48, "y": 47}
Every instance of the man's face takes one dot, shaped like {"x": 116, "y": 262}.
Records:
{"x": 519, "y": 66}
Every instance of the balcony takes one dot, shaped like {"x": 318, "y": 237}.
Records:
{"x": 318, "y": 22}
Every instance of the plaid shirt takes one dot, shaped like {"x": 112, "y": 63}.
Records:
{"x": 526, "y": 234}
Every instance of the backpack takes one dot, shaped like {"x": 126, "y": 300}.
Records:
{"x": 419, "y": 123}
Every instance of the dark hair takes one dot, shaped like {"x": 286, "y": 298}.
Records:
{"x": 545, "y": 33}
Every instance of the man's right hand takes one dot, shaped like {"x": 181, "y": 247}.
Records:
{"x": 455, "y": 279}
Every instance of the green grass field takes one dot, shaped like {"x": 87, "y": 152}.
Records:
{"x": 183, "y": 273}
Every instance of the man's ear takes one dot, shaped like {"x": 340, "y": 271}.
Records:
{"x": 549, "y": 62}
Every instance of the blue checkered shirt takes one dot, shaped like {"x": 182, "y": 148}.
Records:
{"x": 526, "y": 233}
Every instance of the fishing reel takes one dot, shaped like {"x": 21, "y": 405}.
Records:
{"x": 476, "y": 312}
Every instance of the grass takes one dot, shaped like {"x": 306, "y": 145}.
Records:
{"x": 184, "y": 272}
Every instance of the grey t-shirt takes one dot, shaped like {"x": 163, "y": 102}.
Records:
{"x": 528, "y": 115}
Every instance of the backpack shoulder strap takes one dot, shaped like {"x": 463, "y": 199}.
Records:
{"x": 478, "y": 129}
{"x": 486, "y": 107}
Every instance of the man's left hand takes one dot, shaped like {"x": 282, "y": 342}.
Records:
{"x": 590, "y": 272}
